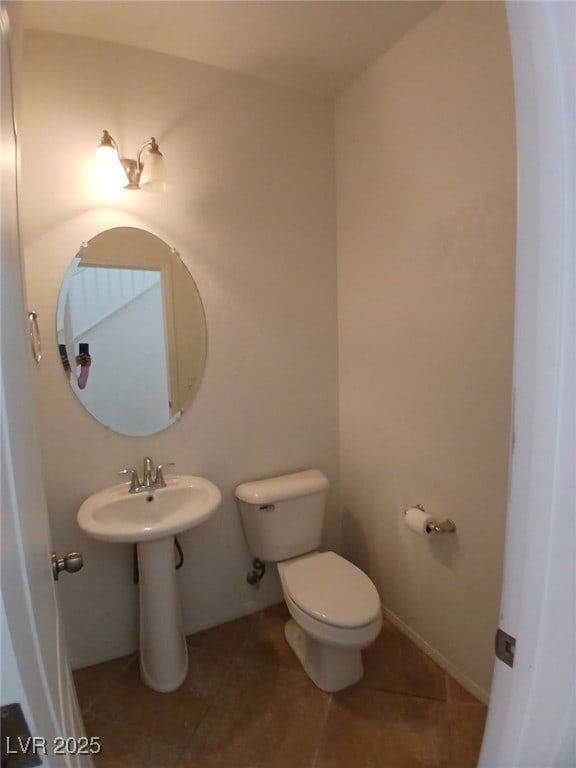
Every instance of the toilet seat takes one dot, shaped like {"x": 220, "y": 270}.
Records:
{"x": 330, "y": 589}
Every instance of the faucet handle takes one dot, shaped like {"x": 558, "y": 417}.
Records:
{"x": 134, "y": 481}
{"x": 159, "y": 481}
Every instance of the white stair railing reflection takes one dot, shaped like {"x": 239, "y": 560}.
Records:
{"x": 98, "y": 292}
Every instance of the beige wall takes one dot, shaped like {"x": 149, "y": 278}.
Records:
{"x": 426, "y": 191}
{"x": 251, "y": 210}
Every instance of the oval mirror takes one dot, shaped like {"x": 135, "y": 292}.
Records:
{"x": 131, "y": 331}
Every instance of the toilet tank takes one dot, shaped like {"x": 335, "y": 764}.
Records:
{"x": 282, "y": 516}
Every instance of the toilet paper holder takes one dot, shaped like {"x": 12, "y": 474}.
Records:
{"x": 446, "y": 526}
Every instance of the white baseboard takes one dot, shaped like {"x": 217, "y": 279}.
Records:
{"x": 436, "y": 656}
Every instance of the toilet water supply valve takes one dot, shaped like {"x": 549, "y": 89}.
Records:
{"x": 257, "y": 572}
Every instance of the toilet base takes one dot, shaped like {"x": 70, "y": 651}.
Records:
{"x": 330, "y": 668}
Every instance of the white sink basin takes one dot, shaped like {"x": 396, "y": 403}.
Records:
{"x": 118, "y": 516}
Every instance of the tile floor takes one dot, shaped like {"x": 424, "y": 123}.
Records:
{"x": 246, "y": 703}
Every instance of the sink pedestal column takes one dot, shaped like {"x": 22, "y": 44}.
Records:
{"x": 163, "y": 651}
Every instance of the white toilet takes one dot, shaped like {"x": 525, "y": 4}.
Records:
{"x": 335, "y": 608}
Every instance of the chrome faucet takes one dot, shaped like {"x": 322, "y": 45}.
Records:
{"x": 147, "y": 480}
{"x": 152, "y": 479}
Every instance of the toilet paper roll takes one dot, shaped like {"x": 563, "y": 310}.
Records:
{"x": 417, "y": 520}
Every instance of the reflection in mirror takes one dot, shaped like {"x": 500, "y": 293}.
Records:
{"x": 131, "y": 331}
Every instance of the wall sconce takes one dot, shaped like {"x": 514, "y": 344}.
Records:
{"x": 116, "y": 171}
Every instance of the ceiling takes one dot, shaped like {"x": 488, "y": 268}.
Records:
{"x": 318, "y": 46}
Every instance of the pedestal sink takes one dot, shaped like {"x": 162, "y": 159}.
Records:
{"x": 151, "y": 519}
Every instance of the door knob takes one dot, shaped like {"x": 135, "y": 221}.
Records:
{"x": 71, "y": 562}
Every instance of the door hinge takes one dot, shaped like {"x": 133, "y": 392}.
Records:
{"x": 505, "y": 647}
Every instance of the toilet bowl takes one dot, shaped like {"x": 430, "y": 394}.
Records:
{"x": 334, "y": 607}
{"x": 335, "y": 612}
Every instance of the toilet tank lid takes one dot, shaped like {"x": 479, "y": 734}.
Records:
{"x": 282, "y": 487}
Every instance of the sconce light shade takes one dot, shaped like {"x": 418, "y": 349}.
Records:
{"x": 108, "y": 170}
{"x": 113, "y": 171}
{"x": 153, "y": 176}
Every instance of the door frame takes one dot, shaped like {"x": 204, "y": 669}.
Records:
{"x": 33, "y": 646}
{"x": 533, "y": 703}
